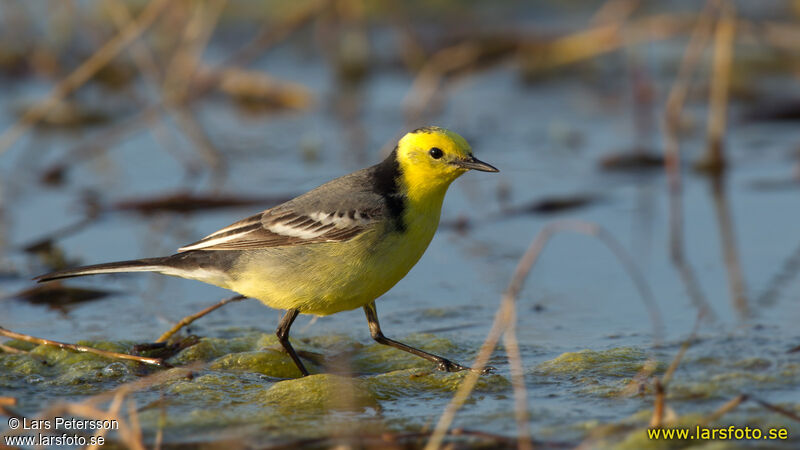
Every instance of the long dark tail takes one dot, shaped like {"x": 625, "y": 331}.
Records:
{"x": 136, "y": 265}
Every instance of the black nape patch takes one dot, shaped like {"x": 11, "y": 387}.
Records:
{"x": 386, "y": 181}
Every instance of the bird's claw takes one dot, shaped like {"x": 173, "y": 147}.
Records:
{"x": 488, "y": 370}
{"x": 448, "y": 366}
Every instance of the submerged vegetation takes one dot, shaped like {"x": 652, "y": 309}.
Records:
{"x": 671, "y": 126}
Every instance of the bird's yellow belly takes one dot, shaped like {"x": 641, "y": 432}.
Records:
{"x": 328, "y": 278}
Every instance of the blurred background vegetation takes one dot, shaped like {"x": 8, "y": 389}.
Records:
{"x": 128, "y": 128}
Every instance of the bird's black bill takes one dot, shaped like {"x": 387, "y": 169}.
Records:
{"x": 474, "y": 163}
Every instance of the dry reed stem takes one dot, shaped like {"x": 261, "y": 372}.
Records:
{"x": 584, "y": 44}
{"x": 159, "y": 439}
{"x": 81, "y": 348}
{"x": 730, "y": 254}
{"x": 782, "y": 277}
{"x": 614, "y": 11}
{"x": 135, "y": 428}
{"x": 569, "y": 49}
{"x": 145, "y": 382}
{"x": 246, "y": 84}
{"x": 146, "y": 63}
{"x": 776, "y": 409}
{"x": 100, "y": 142}
{"x": 676, "y": 361}
{"x": 518, "y": 383}
{"x": 672, "y": 156}
{"x": 269, "y": 35}
{"x": 593, "y": 42}
{"x": 661, "y": 384}
{"x": 11, "y": 350}
{"x": 129, "y": 436}
{"x": 186, "y": 60}
{"x": 185, "y": 65}
{"x": 67, "y": 230}
{"x": 90, "y": 411}
{"x": 658, "y": 404}
{"x": 113, "y": 411}
{"x": 783, "y": 35}
{"x": 130, "y": 431}
{"x": 84, "y": 72}
{"x": 677, "y": 98}
{"x": 191, "y": 318}
{"x": 714, "y": 159}
{"x": 140, "y": 53}
{"x": 429, "y": 77}
{"x": 725, "y": 409}
{"x": 505, "y": 313}
{"x": 179, "y": 76}
{"x": 667, "y": 377}
{"x": 187, "y": 122}
{"x": 5, "y": 408}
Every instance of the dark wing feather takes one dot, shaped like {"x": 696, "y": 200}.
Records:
{"x": 281, "y": 228}
{"x": 336, "y": 211}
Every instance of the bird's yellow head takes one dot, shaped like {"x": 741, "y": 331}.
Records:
{"x": 430, "y": 158}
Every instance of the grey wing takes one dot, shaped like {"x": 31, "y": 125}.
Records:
{"x": 330, "y": 213}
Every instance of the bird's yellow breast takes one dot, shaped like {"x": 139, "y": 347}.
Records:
{"x": 330, "y": 277}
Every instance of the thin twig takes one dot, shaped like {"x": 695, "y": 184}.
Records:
{"x": 140, "y": 53}
{"x": 675, "y": 101}
{"x": 179, "y": 75}
{"x": 146, "y": 62}
{"x": 269, "y": 35}
{"x": 84, "y": 72}
{"x": 658, "y": 404}
{"x": 725, "y": 409}
{"x": 186, "y": 60}
{"x": 186, "y": 120}
{"x": 714, "y": 160}
{"x": 60, "y": 233}
{"x": 139, "y": 384}
{"x": 777, "y": 409}
{"x": 780, "y": 279}
{"x": 730, "y": 253}
{"x": 505, "y": 313}
{"x": 130, "y": 438}
{"x": 11, "y": 350}
{"x": 673, "y": 366}
{"x": 135, "y": 428}
{"x": 660, "y": 384}
{"x": 113, "y": 411}
{"x": 518, "y": 383}
{"x": 672, "y": 154}
{"x": 81, "y": 348}
{"x": 614, "y": 11}
{"x": 605, "y": 38}
{"x": 191, "y": 318}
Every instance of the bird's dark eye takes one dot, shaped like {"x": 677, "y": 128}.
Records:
{"x": 436, "y": 153}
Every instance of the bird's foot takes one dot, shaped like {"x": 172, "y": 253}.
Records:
{"x": 446, "y": 365}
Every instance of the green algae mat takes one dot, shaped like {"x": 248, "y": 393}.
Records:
{"x": 241, "y": 388}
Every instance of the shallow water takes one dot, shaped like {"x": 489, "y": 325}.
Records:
{"x": 583, "y": 329}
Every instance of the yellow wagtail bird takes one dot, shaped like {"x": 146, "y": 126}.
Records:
{"x": 335, "y": 248}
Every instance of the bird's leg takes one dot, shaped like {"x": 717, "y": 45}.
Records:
{"x": 283, "y": 338}
{"x": 377, "y": 334}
